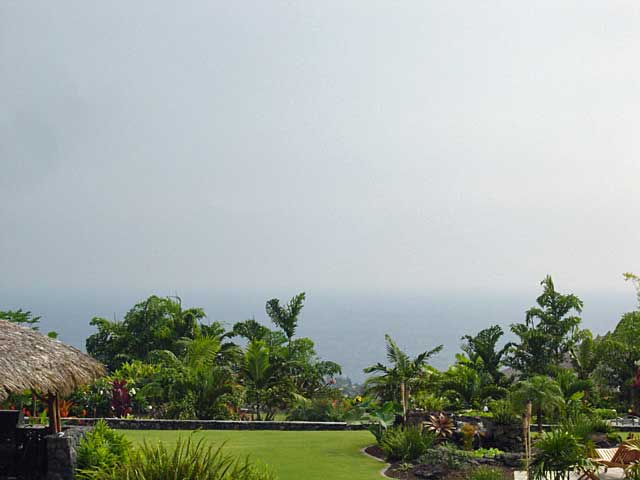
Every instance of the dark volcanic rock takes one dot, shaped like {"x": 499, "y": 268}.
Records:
{"x": 512, "y": 460}
{"x": 430, "y": 471}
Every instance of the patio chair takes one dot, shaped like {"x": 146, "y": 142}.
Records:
{"x": 626, "y": 454}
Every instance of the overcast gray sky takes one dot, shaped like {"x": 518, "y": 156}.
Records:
{"x": 348, "y": 145}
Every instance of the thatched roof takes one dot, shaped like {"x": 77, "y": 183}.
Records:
{"x": 32, "y": 361}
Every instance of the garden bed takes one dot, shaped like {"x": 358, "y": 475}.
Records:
{"x": 422, "y": 472}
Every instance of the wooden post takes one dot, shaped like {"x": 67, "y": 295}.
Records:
{"x": 526, "y": 432}
{"x": 54, "y": 413}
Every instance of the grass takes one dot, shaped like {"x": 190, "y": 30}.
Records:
{"x": 290, "y": 455}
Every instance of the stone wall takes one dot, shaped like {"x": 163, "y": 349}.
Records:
{"x": 61, "y": 453}
{"x": 155, "y": 424}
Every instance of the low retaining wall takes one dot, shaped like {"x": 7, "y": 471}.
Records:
{"x": 153, "y": 424}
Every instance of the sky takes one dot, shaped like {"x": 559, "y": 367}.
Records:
{"x": 377, "y": 147}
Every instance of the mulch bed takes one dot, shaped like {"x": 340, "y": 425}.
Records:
{"x": 394, "y": 472}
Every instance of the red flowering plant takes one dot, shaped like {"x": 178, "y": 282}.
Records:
{"x": 120, "y": 399}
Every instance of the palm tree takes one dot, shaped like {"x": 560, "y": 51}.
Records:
{"x": 402, "y": 373}
{"x": 484, "y": 354}
{"x": 198, "y": 370}
{"x": 286, "y": 317}
{"x": 258, "y": 372}
{"x": 544, "y": 394}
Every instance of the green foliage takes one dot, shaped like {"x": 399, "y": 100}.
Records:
{"x": 258, "y": 372}
{"x": 503, "y": 413}
{"x": 319, "y": 410}
{"x": 605, "y": 413}
{"x": 635, "y": 280}
{"x": 382, "y": 419}
{"x": 102, "y": 449}
{"x": 584, "y": 427}
{"x": 187, "y": 461}
{"x": 467, "y": 386}
{"x": 483, "y": 352}
{"x": 618, "y": 352}
{"x": 406, "y": 443}
{"x": 468, "y": 433}
{"x": 395, "y": 382}
{"x": 544, "y": 394}
{"x": 286, "y": 318}
{"x": 584, "y": 354}
{"x": 558, "y": 453}
{"x": 486, "y": 452}
{"x": 154, "y": 324}
{"x": 548, "y": 332}
{"x": 428, "y": 401}
{"x": 21, "y": 317}
{"x": 24, "y": 318}
{"x": 250, "y": 330}
{"x": 486, "y": 473}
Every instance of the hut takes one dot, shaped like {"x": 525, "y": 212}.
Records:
{"x": 43, "y": 365}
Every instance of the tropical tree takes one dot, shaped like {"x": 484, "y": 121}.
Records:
{"x": 483, "y": 352}
{"x": 548, "y": 333}
{"x": 468, "y": 384}
{"x": 193, "y": 384}
{"x": 157, "y": 323}
{"x": 584, "y": 354}
{"x": 258, "y": 373}
{"x": 286, "y": 317}
{"x": 543, "y": 392}
{"x": 250, "y": 329}
{"x": 21, "y": 317}
{"x": 402, "y": 373}
{"x": 25, "y": 318}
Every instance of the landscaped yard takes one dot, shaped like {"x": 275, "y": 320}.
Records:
{"x": 291, "y": 455}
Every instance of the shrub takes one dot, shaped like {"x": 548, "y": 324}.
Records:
{"x": 583, "y": 427}
{"x": 486, "y": 473}
{"x": 101, "y": 449}
{"x": 558, "y": 453}
{"x": 468, "y": 433}
{"x": 605, "y": 413}
{"x": 428, "y": 402}
{"x": 486, "y": 452}
{"x": 406, "y": 443}
{"x": 381, "y": 419}
{"x": 503, "y": 413}
{"x": 187, "y": 461}
{"x": 319, "y": 410}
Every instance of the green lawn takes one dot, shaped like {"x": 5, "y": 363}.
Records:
{"x": 291, "y": 455}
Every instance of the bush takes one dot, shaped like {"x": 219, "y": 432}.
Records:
{"x": 319, "y": 410}
{"x": 406, "y": 443}
{"x": 486, "y": 452}
{"x": 101, "y": 449}
{"x": 503, "y": 413}
{"x": 605, "y": 413}
{"x": 558, "y": 453}
{"x": 486, "y": 473}
{"x": 187, "y": 461}
{"x": 583, "y": 427}
{"x": 428, "y": 402}
{"x": 468, "y": 432}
